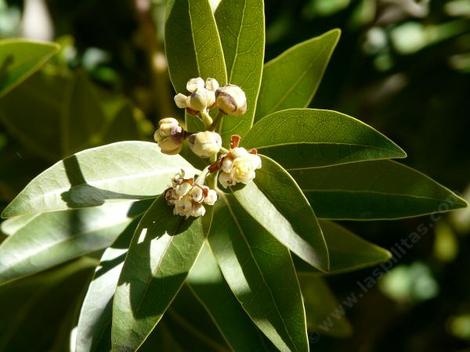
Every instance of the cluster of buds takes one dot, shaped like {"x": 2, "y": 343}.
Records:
{"x": 188, "y": 197}
{"x": 237, "y": 165}
{"x": 229, "y": 99}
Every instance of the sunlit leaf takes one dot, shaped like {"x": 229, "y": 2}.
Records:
{"x": 278, "y": 205}
{"x": 299, "y": 138}
{"x": 20, "y": 58}
{"x": 94, "y": 323}
{"x": 162, "y": 252}
{"x": 260, "y": 272}
{"x": 241, "y": 27}
{"x": 209, "y": 286}
{"x": 292, "y": 79}
{"x": 56, "y": 237}
{"x": 127, "y": 170}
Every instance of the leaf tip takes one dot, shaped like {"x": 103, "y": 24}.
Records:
{"x": 458, "y": 202}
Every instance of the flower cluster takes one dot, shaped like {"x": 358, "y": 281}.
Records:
{"x": 188, "y": 197}
{"x": 237, "y": 165}
{"x": 229, "y": 99}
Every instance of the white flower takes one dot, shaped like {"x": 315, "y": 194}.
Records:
{"x": 205, "y": 144}
{"x": 211, "y": 197}
{"x": 202, "y": 95}
{"x": 198, "y": 210}
{"x": 231, "y": 99}
{"x": 169, "y": 136}
{"x": 188, "y": 197}
{"x": 238, "y": 166}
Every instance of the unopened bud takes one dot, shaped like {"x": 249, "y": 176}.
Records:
{"x": 205, "y": 144}
{"x": 169, "y": 136}
{"x": 231, "y": 99}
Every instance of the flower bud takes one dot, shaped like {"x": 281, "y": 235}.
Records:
{"x": 211, "y": 197}
{"x": 198, "y": 210}
{"x": 238, "y": 166}
{"x": 205, "y": 144}
{"x": 202, "y": 95}
{"x": 231, "y": 99}
{"x": 226, "y": 179}
{"x": 169, "y": 136}
{"x": 201, "y": 99}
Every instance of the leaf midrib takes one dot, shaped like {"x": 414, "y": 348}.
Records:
{"x": 259, "y": 270}
{"x": 338, "y": 190}
{"x": 301, "y": 77}
{"x": 71, "y": 237}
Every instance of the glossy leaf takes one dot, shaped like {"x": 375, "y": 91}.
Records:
{"x": 348, "y": 252}
{"x": 292, "y": 79}
{"x": 324, "y": 313}
{"x": 277, "y": 203}
{"x": 207, "y": 283}
{"x": 54, "y": 238}
{"x": 260, "y": 272}
{"x": 127, "y": 170}
{"x": 193, "y": 46}
{"x": 94, "y": 323}
{"x": 192, "y": 43}
{"x": 12, "y": 225}
{"x": 162, "y": 252}
{"x": 20, "y": 58}
{"x": 300, "y": 138}
{"x": 374, "y": 190}
{"x": 241, "y": 27}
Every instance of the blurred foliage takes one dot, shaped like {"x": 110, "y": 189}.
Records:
{"x": 401, "y": 65}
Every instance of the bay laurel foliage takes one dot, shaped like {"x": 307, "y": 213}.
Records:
{"x": 248, "y": 274}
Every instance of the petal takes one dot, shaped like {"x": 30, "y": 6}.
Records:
{"x": 194, "y": 84}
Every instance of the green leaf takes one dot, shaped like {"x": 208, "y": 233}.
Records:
{"x": 54, "y": 238}
{"x": 292, "y": 79}
{"x": 208, "y": 285}
{"x": 192, "y": 43}
{"x": 111, "y": 173}
{"x": 260, "y": 272}
{"x": 348, "y": 252}
{"x": 12, "y": 225}
{"x": 193, "y": 46}
{"x": 94, "y": 323}
{"x": 279, "y": 206}
{"x": 19, "y": 59}
{"x": 373, "y": 191}
{"x": 241, "y": 27}
{"x": 192, "y": 325}
{"x": 324, "y": 312}
{"x": 299, "y": 138}
{"x": 162, "y": 252}
{"x": 68, "y": 104}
